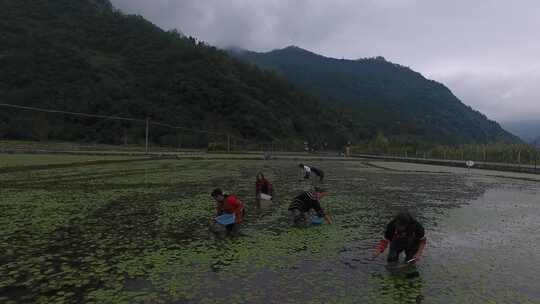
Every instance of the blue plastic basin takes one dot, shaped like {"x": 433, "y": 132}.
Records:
{"x": 317, "y": 220}
{"x": 226, "y": 219}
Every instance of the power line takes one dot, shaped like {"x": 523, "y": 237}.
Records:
{"x": 149, "y": 121}
{"x": 184, "y": 128}
{"x": 69, "y": 113}
{"x": 108, "y": 117}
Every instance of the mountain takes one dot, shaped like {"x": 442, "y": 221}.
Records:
{"x": 383, "y": 97}
{"x": 86, "y": 56}
{"x": 529, "y": 131}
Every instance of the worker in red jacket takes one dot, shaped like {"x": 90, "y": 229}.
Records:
{"x": 229, "y": 204}
{"x": 262, "y": 186}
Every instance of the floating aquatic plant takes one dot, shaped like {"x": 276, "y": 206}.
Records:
{"x": 137, "y": 232}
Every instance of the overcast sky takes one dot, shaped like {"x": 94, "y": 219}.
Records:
{"x": 486, "y": 51}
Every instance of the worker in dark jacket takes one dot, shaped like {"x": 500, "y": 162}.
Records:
{"x": 403, "y": 233}
{"x": 304, "y": 203}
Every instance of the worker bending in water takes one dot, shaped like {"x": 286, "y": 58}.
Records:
{"x": 307, "y": 171}
{"x": 302, "y": 204}
{"x": 229, "y": 204}
{"x": 262, "y": 186}
{"x": 403, "y": 233}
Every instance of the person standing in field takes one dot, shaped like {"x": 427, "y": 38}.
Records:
{"x": 403, "y": 233}
{"x": 231, "y": 205}
{"x": 262, "y": 186}
{"x": 302, "y": 204}
{"x": 307, "y": 171}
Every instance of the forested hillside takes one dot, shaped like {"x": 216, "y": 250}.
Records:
{"x": 85, "y": 56}
{"x": 384, "y": 97}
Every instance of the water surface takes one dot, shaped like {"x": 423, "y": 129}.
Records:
{"x": 137, "y": 232}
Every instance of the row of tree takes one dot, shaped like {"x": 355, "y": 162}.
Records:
{"x": 504, "y": 153}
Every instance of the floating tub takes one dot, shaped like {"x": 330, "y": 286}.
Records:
{"x": 317, "y": 220}
{"x": 266, "y": 197}
{"x": 226, "y": 219}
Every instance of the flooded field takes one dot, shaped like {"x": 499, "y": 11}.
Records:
{"x": 137, "y": 232}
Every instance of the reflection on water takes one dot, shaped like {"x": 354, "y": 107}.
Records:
{"x": 141, "y": 236}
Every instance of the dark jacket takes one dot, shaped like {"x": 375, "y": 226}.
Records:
{"x": 414, "y": 231}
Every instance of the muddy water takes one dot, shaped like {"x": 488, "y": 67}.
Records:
{"x": 137, "y": 233}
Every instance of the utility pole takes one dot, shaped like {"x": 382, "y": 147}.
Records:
{"x": 228, "y": 143}
{"x": 535, "y": 160}
{"x": 147, "y": 132}
{"x": 537, "y": 145}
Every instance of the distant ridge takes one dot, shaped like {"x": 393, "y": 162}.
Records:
{"x": 383, "y": 97}
{"x": 529, "y": 130}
